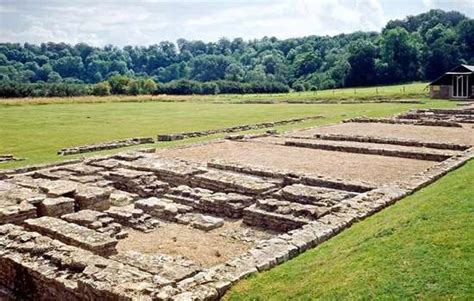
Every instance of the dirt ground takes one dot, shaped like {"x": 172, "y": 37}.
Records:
{"x": 204, "y": 248}
{"x": 463, "y": 135}
{"x": 349, "y": 166}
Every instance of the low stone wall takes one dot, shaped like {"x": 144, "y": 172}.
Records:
{"x": 206, "y": 201}
{"x": 425, "y": 122}
{"x": 104, "y": 146}
{"x": 289, "y": 177}
{"x": 8, "y": 158}
{"x": 73, "y": 234}
{"x": 239, "y": 128}
{"x": 232, "y": 182}
{"x": 422, "y": 154}
{"x": 393, "y": 141}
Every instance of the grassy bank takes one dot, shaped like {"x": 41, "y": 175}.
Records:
{"x": 406, "y": 91}
{"x": 37, "y": 132}
{"x": 420, "y": 248}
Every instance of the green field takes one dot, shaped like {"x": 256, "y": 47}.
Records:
{"x": 420, "y": 248}
{"x": 37, "y": 132}
{"x": 404, "y": 91}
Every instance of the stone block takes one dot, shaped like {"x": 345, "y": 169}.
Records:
{"x": 56, "y": 207}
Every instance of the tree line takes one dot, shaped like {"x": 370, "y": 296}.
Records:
{"x": 418, "y": 47}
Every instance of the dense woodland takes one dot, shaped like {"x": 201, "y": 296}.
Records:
{"x": 417, "y": 48}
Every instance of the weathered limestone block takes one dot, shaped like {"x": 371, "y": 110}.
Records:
{"x": 98, "y": 221}
{"x": 106, "y": 163}
{"x": 207, "y": 201}
{"x": 59, "y": 188}
{"x": 162, "y": 208}
{"x": 314, "y": 195}
{"x": 80, "y": 169}
{"x": 200, "y": 221}
{"x": 145, "y": 184}
{"x": 73, "y": 234}
{"x": 168, "y": 269}
{"x": 255, "y": 216}
{"x": 12, "y": 194}
{"x": 56, "y": 206}
{"x": 133, "y": 218}
{"x": 174, "y": 171}
{"x": 17, "y": 213}
{"x": 92, "y": 197}
{"x": 232, "y": 182}
{"x": 122, "y": 198}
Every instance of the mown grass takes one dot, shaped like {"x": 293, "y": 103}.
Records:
{"x": 37, "y": 132}
{"x": 406, "y": 91}
{"x": 420, "y": 248}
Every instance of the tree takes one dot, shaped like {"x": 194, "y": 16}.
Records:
{"x": 400, "y": 51}
{"x": 101, "y": 89}
{"x": 362, "y": 55}
{"x": 118, "y": 84}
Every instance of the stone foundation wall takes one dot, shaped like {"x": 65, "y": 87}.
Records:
{"x": 425, "y": 122}
{"x": 104, "y": 146}
{"x": 374, "y": 150}
{"x": 239, "y": 128}
{"x": 393, "y": 141}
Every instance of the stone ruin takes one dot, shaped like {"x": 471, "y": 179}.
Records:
{"x": 62, "y": 228}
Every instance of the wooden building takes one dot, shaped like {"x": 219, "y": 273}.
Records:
{"x": 456, "y": 83}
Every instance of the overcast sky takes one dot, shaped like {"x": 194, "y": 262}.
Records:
{"x": 145, "y": 22}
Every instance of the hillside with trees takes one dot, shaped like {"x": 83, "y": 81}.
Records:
{"x": 416, "y": 48}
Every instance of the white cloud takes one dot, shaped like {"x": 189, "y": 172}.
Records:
{"x": 151, "y": 21}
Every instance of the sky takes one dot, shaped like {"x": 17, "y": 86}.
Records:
{"x": 146, "y": 22}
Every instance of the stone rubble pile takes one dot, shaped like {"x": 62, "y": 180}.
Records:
{"x": 104, "y": 146}
{"x": 239, "y": 128}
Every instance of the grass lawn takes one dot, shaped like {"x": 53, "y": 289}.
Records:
{"x": 37, "y": 132}
{"x": 404, "y": 91}
{"x": 420, "y": 248}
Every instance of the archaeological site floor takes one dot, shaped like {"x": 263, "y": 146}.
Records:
{"x": 186, "y": 223}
